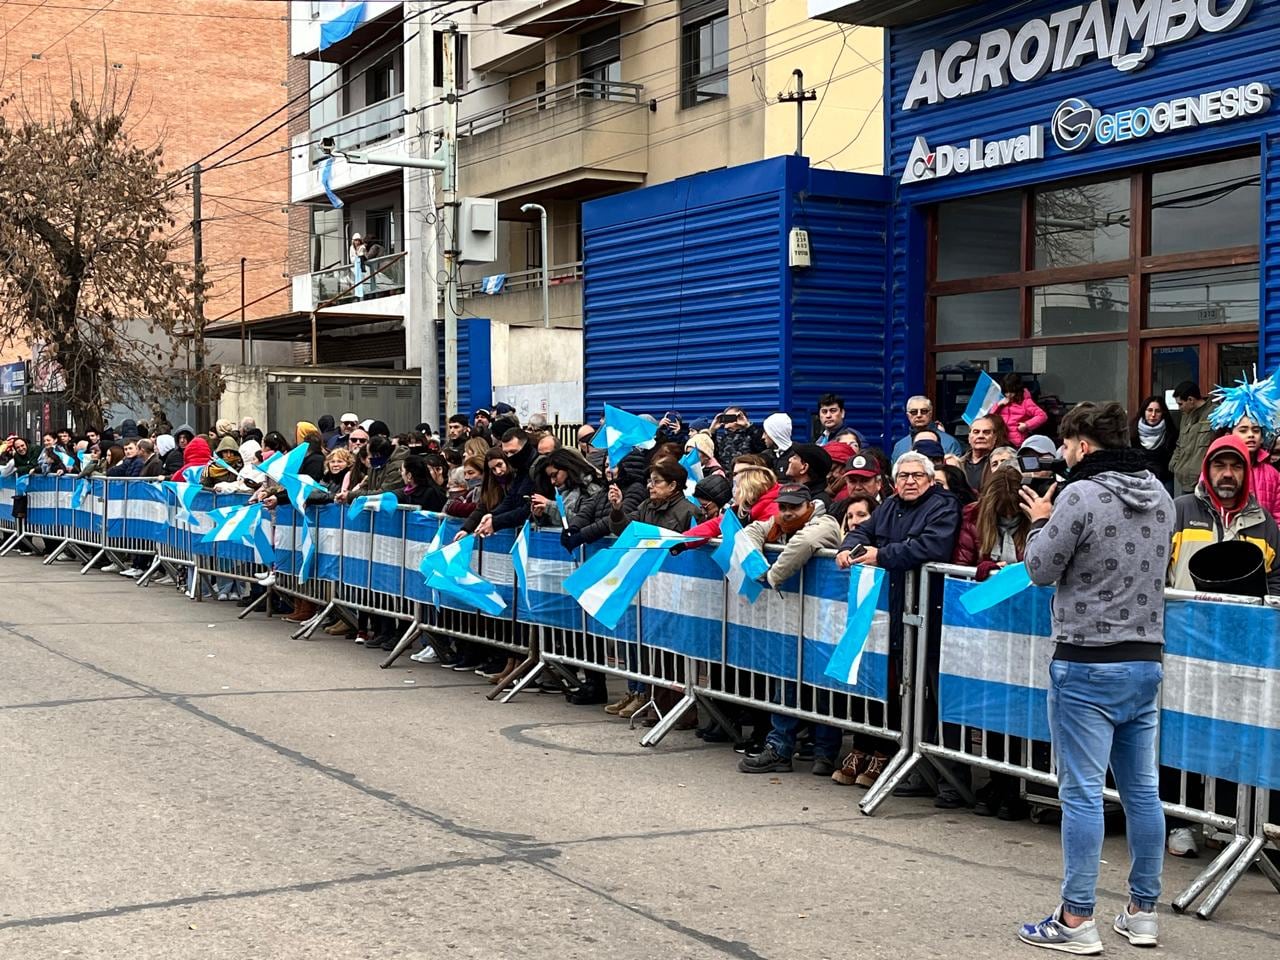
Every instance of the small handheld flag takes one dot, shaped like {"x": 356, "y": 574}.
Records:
{"x": 622, "y": 433}
{"x": 865, "y": 584}
{"x": 986, "y": 394}
{"x": 999, "y": 587}
{"x": 742, "y": 563}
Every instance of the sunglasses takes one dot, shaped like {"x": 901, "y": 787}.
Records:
{"x": 359, "y": 442}
{"x": 918, "y": 411}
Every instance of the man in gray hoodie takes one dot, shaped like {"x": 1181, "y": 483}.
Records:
{"x": 1104, "y": 541}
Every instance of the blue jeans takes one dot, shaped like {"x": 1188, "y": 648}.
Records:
{"x": 826, "y": 740}
{"x": 1102, "y": 713}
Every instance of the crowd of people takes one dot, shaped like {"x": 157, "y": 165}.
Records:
{"x": 935, "y": 498}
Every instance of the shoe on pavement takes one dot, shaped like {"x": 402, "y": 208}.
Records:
{"x": 823, "y": 766}
{"x": 588, "y": 695}
{"x": 112, "y": 568}
{"x": 224, "y": 596}
{"x": 875, "y": 767}
{"x": 362, "y": 636}
{"x": 914, "y": 786}
{"x": 949, "y": 799}
{"x": 425, "y": 655}
{"x": 131, "y": 572}
{"x": 1182, "y": 843}
{"x": 613, "y": 708}
{"x": 1141, "y": 929}
{"x": 1052, "y": 934}
{"x": 767, "y": 761}
{"x": 339, "y": 628}
{"x": 638, "y": 702}
{"x": 852, "y": 768}
{"x": 165, "y": 581}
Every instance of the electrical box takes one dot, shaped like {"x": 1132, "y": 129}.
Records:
{"x": 798, "y": 248}
{"x": 478, "y": 230}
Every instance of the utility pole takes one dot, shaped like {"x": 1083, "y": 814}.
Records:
{"x": 422, "y": 291}
{"x": 546, "y": 263}
{"x": 799, "y": 98}
{"x": 449, "y": 213}
{"x": 243, "y": 356}
{"x": 197, "y": 247}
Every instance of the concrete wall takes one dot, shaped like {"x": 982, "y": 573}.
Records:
{"x": 527, "y": 355}
{"x": 525, "y": 306}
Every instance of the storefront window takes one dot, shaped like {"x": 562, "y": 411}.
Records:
{"x": 975, "y": 317}
{"x": 1205, "y": 207}
{"x": 979, "y": 236}
{"x": 1069, "y": 372}
{"x": 1066, "y": 309}
{"x": 1082, "y": 223}
{"x": 1197, "y": 298}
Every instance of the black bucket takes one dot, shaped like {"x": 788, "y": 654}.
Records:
{"x": 1235, "y": 566}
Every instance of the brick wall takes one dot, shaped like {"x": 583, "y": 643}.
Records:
{"x": 200, "y": 80}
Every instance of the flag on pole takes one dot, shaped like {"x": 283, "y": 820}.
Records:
{"x": 692, "y": 463}
{"x": 520, "y": 564}
{"x": 448, "y": 570}
{"x": 243, "y": 525}
{"x": 865, "y": 584}
{"x": 606, "y": 584}
{"x": 742, "y": 563}
{"x": 382, "y": 503}
{"x": 622, "y": 433}
{"x": 185, "y": 494}
{"x": 986, "y": 393}
{"x": 79, "y": 492}
{"x": 562, "y": 509}
{"x": 493, "y": 285}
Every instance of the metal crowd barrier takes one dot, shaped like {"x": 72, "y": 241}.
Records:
{"x": 981, "y": 702}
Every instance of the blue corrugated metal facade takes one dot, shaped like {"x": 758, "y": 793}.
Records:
{"x": 1248, "y": 52}
{"x": 474, "y": 365}
{"x": 689, "y": 303}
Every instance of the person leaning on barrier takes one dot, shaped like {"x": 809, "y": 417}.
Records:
{"x": 666, "y": 505}
{"x": 918, "y": 524}
{"x": 1103, "y": 543}
{"x": 753, "y": 496}
{"x": 810, "y": 464}
{"x": 566, "y": 472}
{"x": 131, "y": 464}
{"x": 1223, "y": 507}
{"x": 801, "y": 527}
{"x": 513, "y": 510}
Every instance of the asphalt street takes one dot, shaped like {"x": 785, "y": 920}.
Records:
{"x": 177, "y": 784}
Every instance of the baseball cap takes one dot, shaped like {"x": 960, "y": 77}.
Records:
{"x": 860, "y": 465}
{"x": 349, "y": 418}
{"x": 1040, "y": 445}
{"x": 930, "y": 448}
{"x": 793, "y": 494}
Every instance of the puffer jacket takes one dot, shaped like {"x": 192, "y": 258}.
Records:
{"x": 1200, "y": 521}
{"x": 1265, "y": 483}
{"x": 1025, "y": 411}
{"x": 675, "y": 513}
{"x": 766, "y": 508}
{"x": 821, "y": 532}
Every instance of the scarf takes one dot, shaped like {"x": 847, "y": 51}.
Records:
{"x": 784, "y": 527}
{"x": 1151, "y": 437}
{"x": 1123, "y": 460}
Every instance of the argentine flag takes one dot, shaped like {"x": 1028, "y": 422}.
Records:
{"x": 68, "y": 461}
{"x": 865, "y": 584}
{"x": 692, "y": 462}
{"x": 493, "y": 285}
{"x": 520, "y": 563}
{"x": 742, "y": 563}
{"x": 622, "y": 433}
{"x": 1006, "y": 583}
{"x": 244, "y": 526}
{"x": 606, "y": 584}
{"x": 448, "y": 570}
{"x": 382, "y": 503}
{"x": 986, "y": 394}
{"x": 185, "y": 494}
{"x": 192, "y": 474}
{"x": 284, "y": 469}
{"x": 326, "y": 182}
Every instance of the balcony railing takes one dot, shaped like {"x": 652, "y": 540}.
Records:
{"x": 383, "y": 276}
{"x": 372, "y": 124}
{"x": 527, "y": 280}
{"x": 548, "y": 99}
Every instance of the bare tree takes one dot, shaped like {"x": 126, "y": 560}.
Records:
{"x": 87, "y": 245}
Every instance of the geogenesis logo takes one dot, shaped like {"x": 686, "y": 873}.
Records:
{"x": 1073, "y": 123}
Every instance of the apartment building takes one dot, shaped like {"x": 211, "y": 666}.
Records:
{"x": 561, "y": 102}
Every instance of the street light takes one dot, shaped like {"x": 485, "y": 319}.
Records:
{"x": 546, "y": 269}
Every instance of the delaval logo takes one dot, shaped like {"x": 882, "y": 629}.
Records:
{"x": 928, "y": 164}
{"x": 1075, "y": 123}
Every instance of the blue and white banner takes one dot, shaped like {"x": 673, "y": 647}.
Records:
{"x": 986, "y": 394}
{"x": 491, "y": 286}
{"x": 606, "y": 584}
{"x": 42, "y": 503}
{"x": 137, "y": 510}
{"x": 994, "y": 671}
{"x": 449, "y": 571}
{"x": 8, "y": 490}
{"x": 762, "y": 636}
{"x": 682, "y": 606}
{"x": 1004, "y": 585}
{"x": 387, "y": 502}
{"x": 826, "y": 605}
{"x": 86, "y": 502}
{"x": 1221, "y": 696}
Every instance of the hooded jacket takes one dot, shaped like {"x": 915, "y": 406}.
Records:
{"x": 168, "y": 452}
{"x": 1023, "y": 410}
{"x": 214, "y": 474}
{"x": 1201, "y": 520}
{"x": 1106, "y": 548}
{"x": 820, "y": 532}
{"x": 778, "y": 428}
{"x": 1265, "y": 483}
{"x": 195, "y": 454}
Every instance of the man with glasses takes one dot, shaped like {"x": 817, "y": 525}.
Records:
{"x": 915, "y": 526}
{"x": 342, "y": 438}
{"x": 920, "y": 417}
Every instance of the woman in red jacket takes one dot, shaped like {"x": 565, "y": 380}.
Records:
{"x": 755, "y": 491}
{"x": 1021, "y": 415}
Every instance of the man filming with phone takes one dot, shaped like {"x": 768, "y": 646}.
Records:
{"x": 735, "y": 435}
{"x": 1102, "y": 539}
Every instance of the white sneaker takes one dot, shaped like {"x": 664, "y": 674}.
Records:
{"x": 224, "y": 596}
{"x": 111, "y": 568}
{"x": 425, "y": 655}
{"x": 165, "y": 581}
{"x": 1182, "y": 843}
{"x": 131, "y": 572}
{"x": 267, "y": 581}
